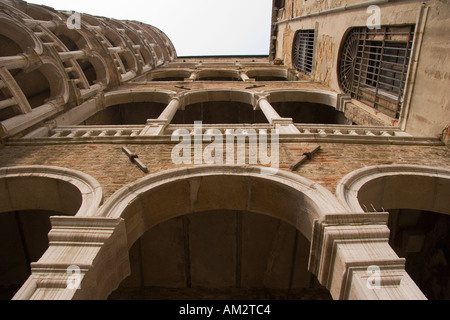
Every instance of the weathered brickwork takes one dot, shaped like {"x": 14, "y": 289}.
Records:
{"x": 113, "y": 169}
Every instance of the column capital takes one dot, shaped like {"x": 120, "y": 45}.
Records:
{"x": 259, "y": 97}
{"x": 262, "y": 96}
{"x": 175, "y": 96}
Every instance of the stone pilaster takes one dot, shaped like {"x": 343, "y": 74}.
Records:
{"x": 87, "y": 259}
{"x": 351, "y": 257}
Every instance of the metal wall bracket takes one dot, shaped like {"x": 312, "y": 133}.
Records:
{"x": 135, "y": 159}
{"x": 306, "y": 156}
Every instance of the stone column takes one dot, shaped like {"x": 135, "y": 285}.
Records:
{"x": 284, "y": 125}
{"x": 79, "y": 54}
{"x": 170, "y": 111}
{"x": 245, "y": 77}
{"x": 31, "y": 23}
{"x": 14, "y": 62}
{"x": 21, "y": 61}
{"x": 156, "y": 127}
{"x": 264, "y": 105}
{"x": 351, "y": 257}
{"x": 193, "y": 77}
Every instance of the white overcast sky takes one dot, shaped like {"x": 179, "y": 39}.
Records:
{"x": 196, "y": 27}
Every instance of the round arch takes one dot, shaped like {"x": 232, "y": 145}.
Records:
{"x": 54, "y": 73}
{"x": 129, "y": 107}
{"x": 243, "y": 96}
{"x": 169, "y": 75}
{"x": 30, "y": 198}
{"x": 218, "y": 75}
{"x": 268, "y": 74}
{"x": 49, "y": 188}
{"x": 100, "y": 69}
{"x": 130, "y": 96}
{"x": 396, "y": 186}
{"x": 417, "y": 199}
{"x": 20, "y": 34}
{"x": 312, "y": 96}
{"x": 308, "y": 106}
{"x": 163, "y": 196}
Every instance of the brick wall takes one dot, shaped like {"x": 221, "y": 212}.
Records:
{"x": 113, "y": 170}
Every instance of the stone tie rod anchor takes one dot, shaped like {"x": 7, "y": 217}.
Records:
{"x": 135, "y": 159}
{"x": 306, "y": 156}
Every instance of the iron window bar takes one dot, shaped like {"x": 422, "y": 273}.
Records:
{"x": 374, "y": 65}
{"x": 303, "y": 50}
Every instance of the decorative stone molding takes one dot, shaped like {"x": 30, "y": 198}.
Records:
{"x": 328, "y": 98}
{"x": 349, "y": 187}
{"x": 89, "y": 188}
{"x": 316, "y": 199}
{"x": 351, "y": 257}
{"x": 87, "y": 259}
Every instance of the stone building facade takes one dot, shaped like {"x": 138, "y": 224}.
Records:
{"x": 319, "y": 172}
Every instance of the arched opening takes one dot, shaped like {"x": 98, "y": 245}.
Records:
{"x": 35, "y": 85}
{"x": 219, "y": 232}
{"x": 221, "y": 255}
{"x": 29, "y": 196}
{"x": 305, "y": 112}
{"x": 113, "y": 38}
{"x": 9, "y": 47}
{"x": 423, "y": 238}
{"x": 90, "y": 20}
{"x": 135, "y": 113}
{"x": 268, "y": 74}
{"x": 169, "y": 75}
{"x": 42, "y": 85}
{"x": 7, "y": 112}
{"x": 16, "y": 38}
{"x": 143, "y": 51}
{"x": 24, "y": 240}
{"x": 38, "y": 12}
{"x": 219, "y": 107}
{"x": 223, "y": 112}
{"x": 89, "y": 71}
{"x": 25, "y": 223}
{"x": 130, "y": 108}
{"x": 417, "y": 199}
{"x": 218, "y": 75}
{"x": 68, "y": 39}
{"x": 308, "y": 107}
{"x": 157, "y": 52}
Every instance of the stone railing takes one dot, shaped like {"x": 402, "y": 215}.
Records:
{"x": 223, "y": 129}
{"x": 368, "y": 131}
{"x": 90, "y": 132}
{"x": 301, "y": 133}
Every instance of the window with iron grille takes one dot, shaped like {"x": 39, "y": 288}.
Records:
{"x": 374, "y": 65}
{"x": 303, "y": 50}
